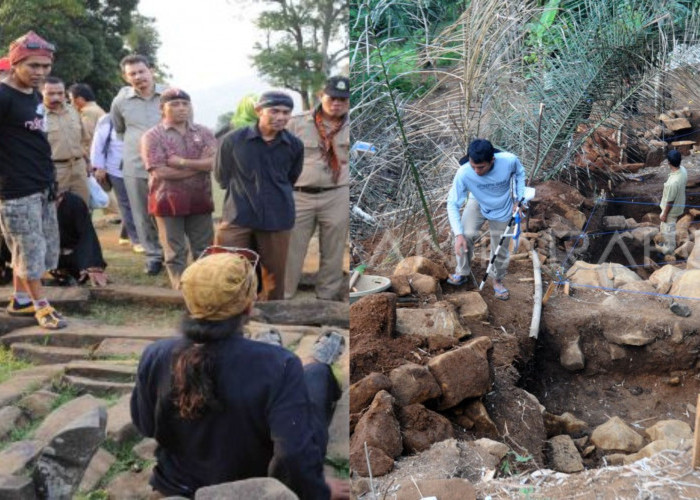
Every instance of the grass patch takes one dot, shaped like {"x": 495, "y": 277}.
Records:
{"x": 124, "y": 314}
{"x": 65, "y": 391}
{"x": 126, "y": 460}
{"x": 341, "y": 466}
{"x": 20, "y": 434}
{"x": 9, "y": 364}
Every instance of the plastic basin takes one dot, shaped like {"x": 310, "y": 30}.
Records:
{"x": 369, "y": 284}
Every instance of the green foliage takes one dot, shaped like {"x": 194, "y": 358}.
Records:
{"x": 10, "y": 364}
{"x": 512, "y": 463}
{"x": 298, "y": 52}
{"x": 19, "y": 434}
{"x": 341, "y": 466}
{"x": 88, "y": 35}
{"x": 66, "y": 392}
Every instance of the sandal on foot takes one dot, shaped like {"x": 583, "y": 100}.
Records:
{"x": 48, "y": 318}
{"x": 457, "y": 279}
{"x": 501, "y": 292}
{"x": 16, "y": 309}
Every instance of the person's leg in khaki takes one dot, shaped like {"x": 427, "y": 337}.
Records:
{"x": 333, "y": 222}
{"x": 273, "y": 247}
{"x": 304, "y": 226}
{"x": 78, "y": 180}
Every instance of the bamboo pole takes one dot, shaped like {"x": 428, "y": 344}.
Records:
{"x": 696, "y": 436}
{"x": 537, "y": 306}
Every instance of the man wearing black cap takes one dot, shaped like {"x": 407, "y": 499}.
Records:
{"x": 178, "y": 156}
{"x": 258, "y": 166}
{"x": 321, "y": 194}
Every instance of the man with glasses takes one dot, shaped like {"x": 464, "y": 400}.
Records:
{"x": 258, "y": 166}
{"x": 225, "y": 408}
{"x": 179, "y": 156}
{"x": 321, "y": 194}
{"x": 135, "y": 109}
{"x": 27, "y": 180}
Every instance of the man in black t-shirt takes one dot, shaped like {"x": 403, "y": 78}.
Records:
{"x": 27, "y": 180}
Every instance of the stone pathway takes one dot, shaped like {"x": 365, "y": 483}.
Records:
{"x": 96, "y": 365}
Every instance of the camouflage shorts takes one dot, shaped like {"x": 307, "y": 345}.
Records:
{"x": 30, "y": 228}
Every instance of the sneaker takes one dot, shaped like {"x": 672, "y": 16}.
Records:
{"x": 270, "y": 336}
{"x": 14, "y": 309}
{"x": 328, "y": 347}
{"x": 138, "y": 248}
{"x": 125, "y": 241}
{"x": 48, "y": 318}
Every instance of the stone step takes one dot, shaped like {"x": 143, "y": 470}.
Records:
{"x": 82, "y": 333}
{"x": 97, "y": 387}
{"x": 46, "y": 354}
{"x": 26, "y": 381}
{"x": 10, "y": 323}
{"x": 151, "y": 295}
{"x": 303, "y": 312}
{"x": 57, "y": 295}
{"x": 121, "y": 348}
{"x": 107, "y": 371}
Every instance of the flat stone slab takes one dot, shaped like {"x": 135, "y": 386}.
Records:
{"x": 119, "y": 425}
{"x": 16, "y": 488}
{"x": 121, "y": 347}
{"x": 152, "y": 295}
{"x": 131, "y": 485}
{"x": 64, "y": 415}
{"x": 303, "y": 312}
{"x": 98, "y": 387}
{"x": 428, "y": 322}
{"x": 80, "y": 333}
{"x": 146, "y": 449}
{"x": 38, "y": 404}
{"x": 57, "y": 295}
{"x": 10, "y": 323}
{"x": 18, "y": 455}
{"x": 291, "y": 334}
{"x": 100, "y": 463}
{"x": 47, "y": 355}
{"x": 339, "y": 429}
{"x": 26, "y": 381}
{"x": 115, "y": 371}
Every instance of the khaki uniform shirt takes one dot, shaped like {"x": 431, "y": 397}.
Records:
{"x": 132, "y": 116}
{"x": 317, "y": 172}
{"x": 65, "y": 133}
{"x": 674, "y": 192}
{"x": 89, "y": 115}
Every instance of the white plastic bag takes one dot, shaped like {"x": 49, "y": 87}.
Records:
{"x": 98, "y": 197}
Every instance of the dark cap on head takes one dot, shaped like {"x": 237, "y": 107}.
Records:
{"x": 337, "y": 86}
{"x": 29, "y": 44}
{"x": 275, "y": 98}
{"x": 173, "y": 94}
{"x": 674, "y": 157}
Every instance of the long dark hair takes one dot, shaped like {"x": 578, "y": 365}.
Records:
{"x": 194, "y": 365}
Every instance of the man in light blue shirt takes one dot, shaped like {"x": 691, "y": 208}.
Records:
{"x": 487, "y": 176}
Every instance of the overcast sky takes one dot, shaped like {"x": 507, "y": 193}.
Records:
{"x": 206, "y": 46}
